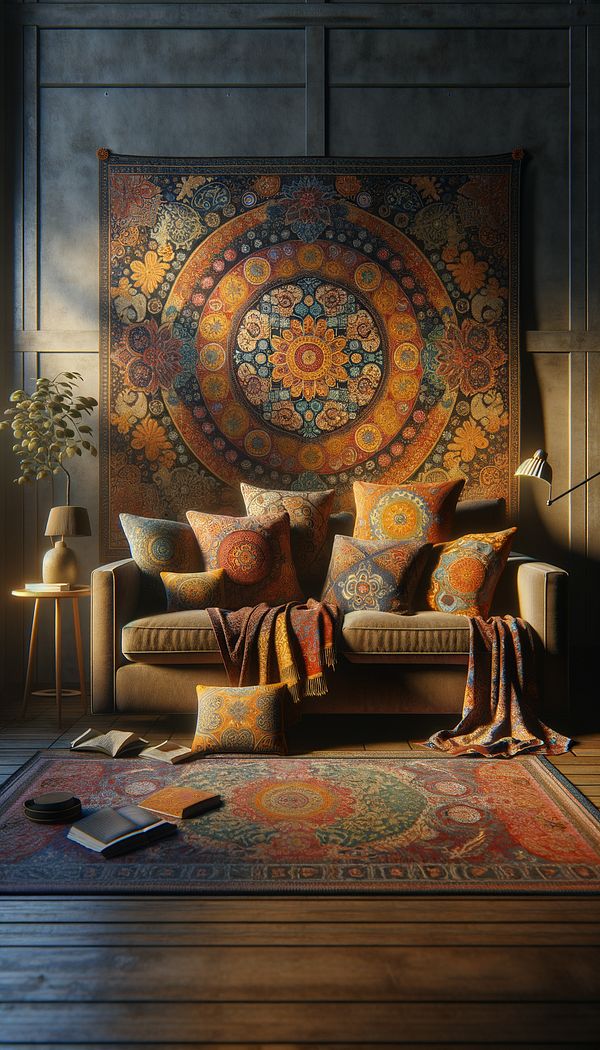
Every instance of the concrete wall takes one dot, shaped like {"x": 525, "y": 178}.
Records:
{"x": 319, "y": 78}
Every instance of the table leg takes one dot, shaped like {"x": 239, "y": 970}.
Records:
{"x": 31, "y": 657}
{"x": 79, "y": 652}
{"x": 58, "y": 658}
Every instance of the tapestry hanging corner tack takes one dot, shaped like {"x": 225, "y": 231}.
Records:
{"x": 304, "y": 323}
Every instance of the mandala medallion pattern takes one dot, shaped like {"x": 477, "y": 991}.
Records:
{"x": 305, "y": 325}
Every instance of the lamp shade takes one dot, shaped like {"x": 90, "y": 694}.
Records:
{"x": 68, "y": 521}
{"x": 536, "y": 467}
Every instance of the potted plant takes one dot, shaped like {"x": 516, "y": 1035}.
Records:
{"x": 49, "y": 428}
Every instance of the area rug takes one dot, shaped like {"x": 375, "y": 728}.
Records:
{"x": 304, "y": 323}
{"x": 326, "y": 825}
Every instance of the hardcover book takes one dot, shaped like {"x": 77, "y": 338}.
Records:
{"x": 114, "y": 831}
{"x": 181, "y": 802}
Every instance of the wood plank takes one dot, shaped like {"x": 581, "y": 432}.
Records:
{"x": 429, "y": 934}
{"x": 286, "y": 1046}
{"x": 281, "y": 974}
{"x": 529, "y": 1024}
{"x": 301, "y": 909}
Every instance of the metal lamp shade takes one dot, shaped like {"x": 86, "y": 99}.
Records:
{"x": 536, "y": 467}
{"x": 68, "y": 521}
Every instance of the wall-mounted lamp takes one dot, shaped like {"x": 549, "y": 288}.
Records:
{"x": 538, "y": 467}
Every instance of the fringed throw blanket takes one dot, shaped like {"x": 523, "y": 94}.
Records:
{"x": 498, "y": 720}
{"x": 289, "y": 643}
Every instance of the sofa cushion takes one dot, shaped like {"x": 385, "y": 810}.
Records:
{"x": 171, "y": 638}
{"x": 385, "y": 634}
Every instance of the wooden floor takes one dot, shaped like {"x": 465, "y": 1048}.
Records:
{"x": 284, "y": 973}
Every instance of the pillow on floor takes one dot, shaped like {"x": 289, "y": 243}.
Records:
{"x": 405, "y": 513}
{"x": 255, "y": 555}
{"x": 240, "y": 720}
{"x": 309, "y": 514}
{"x": 194, "y": 590}
{"x": 369, "y": 575}
{"x": 463, "y": 574}
{"x": 159, "y": 546}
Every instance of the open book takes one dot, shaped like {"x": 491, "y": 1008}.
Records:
{"x": 115, "y": 742}
{"x": 168, "y": 752}
{"x": 114, "y": 831}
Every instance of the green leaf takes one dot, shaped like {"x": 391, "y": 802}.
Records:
{"x": 94, "y": 452}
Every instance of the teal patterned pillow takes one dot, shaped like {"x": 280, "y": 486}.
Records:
{"x": 159, "y": 546}
{"x": 374, "y": 575}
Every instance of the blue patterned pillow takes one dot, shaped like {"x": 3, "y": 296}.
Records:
{"x": 159, "y": 546}
{"x": 374, "y": 575}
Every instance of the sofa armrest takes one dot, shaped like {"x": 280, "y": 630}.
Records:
{"x": 544, "y": 603}
{"x": 115, "y": 598}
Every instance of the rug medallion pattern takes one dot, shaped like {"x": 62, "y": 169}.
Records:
{"x": 320, "y": 825}
{"x": 298, "y": 324}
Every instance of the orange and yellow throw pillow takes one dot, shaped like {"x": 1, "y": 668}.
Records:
{"x": 194, "y": 590}
{"x": 240, "y": 720}
{"x": 465, "y": 572}
{"x": 405, "y": 513}
{"x": 255, "y": 555}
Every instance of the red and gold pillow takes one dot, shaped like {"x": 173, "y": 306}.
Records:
{"x": 254, "y": 554}
{"x": 309, "y": 514}
{"x": 465, "y": 572}
{"x": 194, "y": 590}
{"x": 240, "y": 720}
{"x": 369, "y": 575}
{"x": 405, "y": 513}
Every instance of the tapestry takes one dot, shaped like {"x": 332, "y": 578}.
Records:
{"x": 304, "y": 324}
{"x": 325, "y": 824}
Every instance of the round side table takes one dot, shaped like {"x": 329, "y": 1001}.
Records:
{"x": 58, "y": 597}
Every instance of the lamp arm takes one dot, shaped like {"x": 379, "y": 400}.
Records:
{"x": 549, "y": 502}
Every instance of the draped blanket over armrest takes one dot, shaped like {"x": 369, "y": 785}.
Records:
{"x": 291, "y": 643}
{"x": 498, "y": 720}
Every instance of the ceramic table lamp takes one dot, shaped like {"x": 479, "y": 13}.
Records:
{"x": 60, "y": 563}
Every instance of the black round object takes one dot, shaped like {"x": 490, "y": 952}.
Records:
{"x": 55, "y": 807}
{"x": 52, "y": 800}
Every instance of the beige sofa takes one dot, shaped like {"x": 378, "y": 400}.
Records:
{"x": 388, "y": 663}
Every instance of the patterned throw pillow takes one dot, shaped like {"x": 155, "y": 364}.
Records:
{"x": 242, "y": 720}
{"x": 194, "y": 590}
{"x": 367, "y": 575}
{"x": 309, "y": 513}
{"x": 465, "y": 572}
{"x": 159, "y": 546}
{"x": 405, "y": 513}
{"x": 254, "y": 553}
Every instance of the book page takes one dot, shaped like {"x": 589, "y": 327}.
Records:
{"x": 111, "y": 742}
{"x": 141, "y": 818}
{"x": 105, "y": 825}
